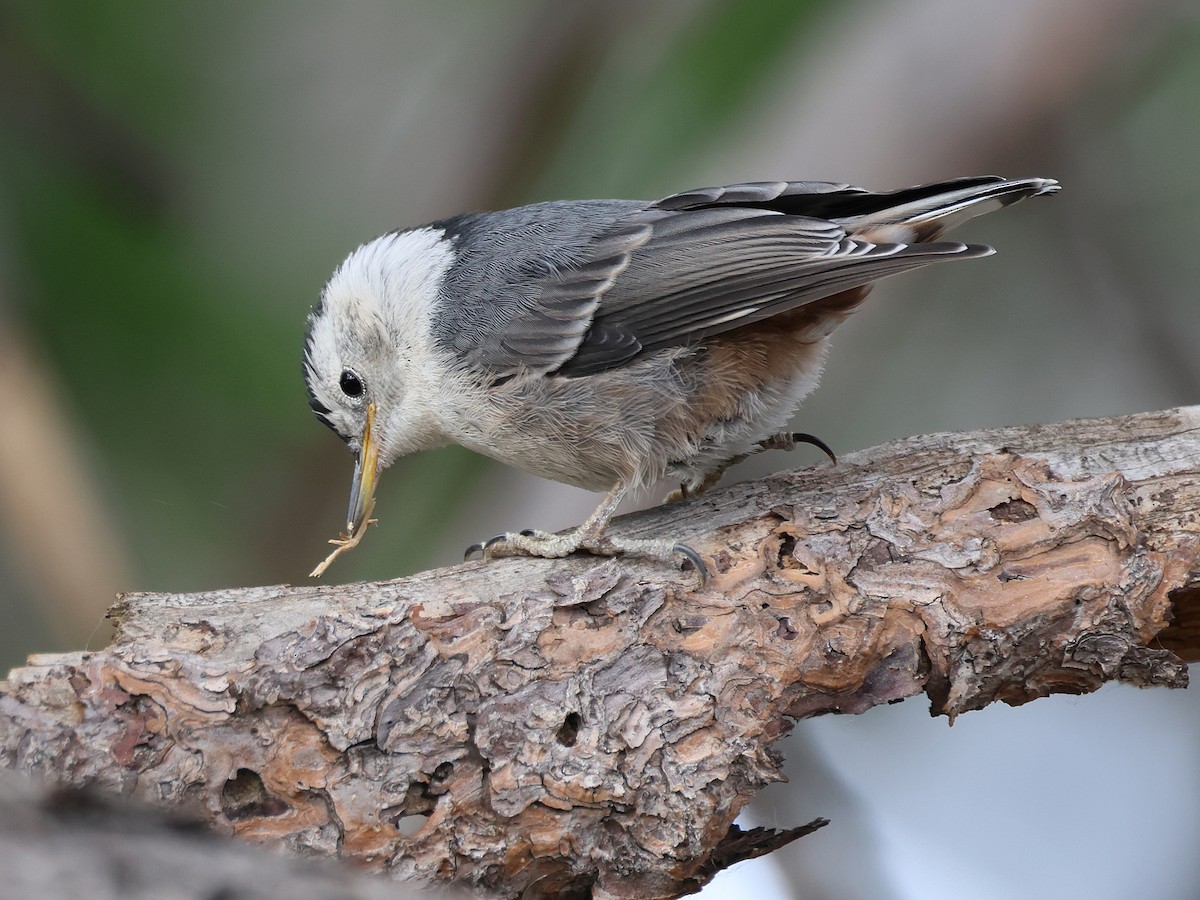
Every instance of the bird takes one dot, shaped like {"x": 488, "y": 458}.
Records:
{"x": 608, "y": 344}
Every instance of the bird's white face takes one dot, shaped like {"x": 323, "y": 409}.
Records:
{"x": 369, "y": 354}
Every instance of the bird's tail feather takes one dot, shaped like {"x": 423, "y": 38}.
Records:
{"x": 941, "y": 207}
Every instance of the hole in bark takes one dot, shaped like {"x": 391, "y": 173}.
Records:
{"x": 244, "y": 796}
{"x": 411, "y": 815}
{"x": 1182, "y": 635}
{"x": 442, "y": 772}
{"x": 410, "y": 825}
{"x": 417, "y": 800}
{"x": 787, "y": 552}
{"x": 577, "y": 888}
{"x": 1013, "y": 511}
{"x": 570, "y": 729}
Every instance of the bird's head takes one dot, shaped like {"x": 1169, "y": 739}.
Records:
{"x": 369, "y": 356}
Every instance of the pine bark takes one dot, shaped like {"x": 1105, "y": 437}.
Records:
{"x": 592, "y": 727}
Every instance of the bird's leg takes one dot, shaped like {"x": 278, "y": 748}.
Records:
{"x": 784, "y": 440}
{"x": 589, "y": 536}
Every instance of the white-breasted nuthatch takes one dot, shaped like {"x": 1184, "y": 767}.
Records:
{"x": 608, "y": 343}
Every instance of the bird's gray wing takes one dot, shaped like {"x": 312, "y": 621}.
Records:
{"x": 578, "y": 288}
{"x": 722, "y": 258}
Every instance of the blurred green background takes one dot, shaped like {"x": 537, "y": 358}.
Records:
{"x": 178, "y": 179}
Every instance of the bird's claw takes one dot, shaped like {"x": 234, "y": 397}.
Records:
{"x": 695, "y": 559}
{"x": 803, "y": 437}
{"x": 483, "y": 547}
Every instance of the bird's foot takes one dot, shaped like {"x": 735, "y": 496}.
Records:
{"x": 555, "y": 546}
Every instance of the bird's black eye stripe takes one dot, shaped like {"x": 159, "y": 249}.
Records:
{"x": 351, "y": 384}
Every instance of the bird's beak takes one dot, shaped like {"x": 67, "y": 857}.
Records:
{"x": 366, "y": 474}
{"x": 362, "y": 495}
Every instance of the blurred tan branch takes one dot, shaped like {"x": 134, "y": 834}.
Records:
{"x": 51, "y": 512}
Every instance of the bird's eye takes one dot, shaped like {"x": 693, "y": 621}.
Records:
{"x": 351, "y": 384}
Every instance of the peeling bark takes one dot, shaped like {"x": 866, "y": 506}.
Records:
{"x": 587, "y": 727}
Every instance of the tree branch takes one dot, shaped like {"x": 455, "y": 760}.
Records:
{"x": 587, "y": 727}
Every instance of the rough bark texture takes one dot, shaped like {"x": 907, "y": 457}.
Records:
{"x": 586, "y": 726}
